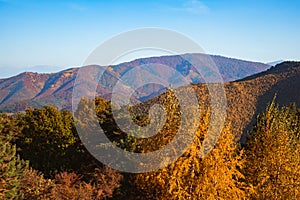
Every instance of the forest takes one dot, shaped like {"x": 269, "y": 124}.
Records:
{"x": 42, "y": 157}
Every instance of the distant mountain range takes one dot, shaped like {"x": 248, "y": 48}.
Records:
{"x": 11, "y": 71}
{"x": 30, "y": 89}
{"x": 275, "y": 62}
{"x": 249, "y": 87}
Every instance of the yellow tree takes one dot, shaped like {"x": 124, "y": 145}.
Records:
{"x": 273, "y": 154}
{"x": 216, "y": 176}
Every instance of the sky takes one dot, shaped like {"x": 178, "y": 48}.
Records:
{"x": 52, "y": 35}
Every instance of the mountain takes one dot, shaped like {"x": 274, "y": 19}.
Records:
{"x": 248, "y": 97}
{"x": 35, "y": 90}
{"x": 44, "y": 69}
{"x": 275, "y": 62}
{"x": 12, "y": 71}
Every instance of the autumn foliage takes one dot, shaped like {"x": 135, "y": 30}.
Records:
{"x": 42, "y": 157}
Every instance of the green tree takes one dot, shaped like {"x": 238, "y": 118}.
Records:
{"x": 11, "y": 170}
{"x": 50, "y": 142}
{"x": 10, "y": 128}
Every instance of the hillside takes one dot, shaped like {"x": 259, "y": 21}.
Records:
{"x": 35, "y": 90}
{"x": 248, "y": 97}
{"x": 258, "y": 90}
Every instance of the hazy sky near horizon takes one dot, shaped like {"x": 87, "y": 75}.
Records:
{"x": 62, "y": 33}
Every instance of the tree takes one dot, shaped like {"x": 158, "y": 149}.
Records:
{"x": 11, "y": 170}
{"x": 9, "y": 127}
{"x": 220, "y": 175}
{"x": 216, "y": 176}
{"x": 100, "y": 184}
{"x": 273, "y": 154}
{"x": 50, "y": 142}
{"x": 34, "y": 186}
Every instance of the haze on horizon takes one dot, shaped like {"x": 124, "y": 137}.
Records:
{"x": 62, "y": 34}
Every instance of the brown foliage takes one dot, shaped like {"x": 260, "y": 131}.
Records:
{"x": 104, "y": 182}
{"x": 70, "y": 186}
{"x": 34, "y": 186}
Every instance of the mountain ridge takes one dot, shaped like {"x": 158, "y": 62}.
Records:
{"x": 56, "y": 88}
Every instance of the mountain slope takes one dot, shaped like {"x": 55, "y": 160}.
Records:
{"x": 248, "y": 97}
{"x": 35, "y": 90}
{"x": 23, "y": 86}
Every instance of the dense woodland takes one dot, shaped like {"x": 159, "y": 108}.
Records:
{"x": 42, "y": 157}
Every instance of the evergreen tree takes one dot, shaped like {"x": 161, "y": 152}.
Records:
{"x": 11, "y": 169}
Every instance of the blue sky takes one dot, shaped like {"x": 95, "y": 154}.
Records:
{"x": 63, "y": 33}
